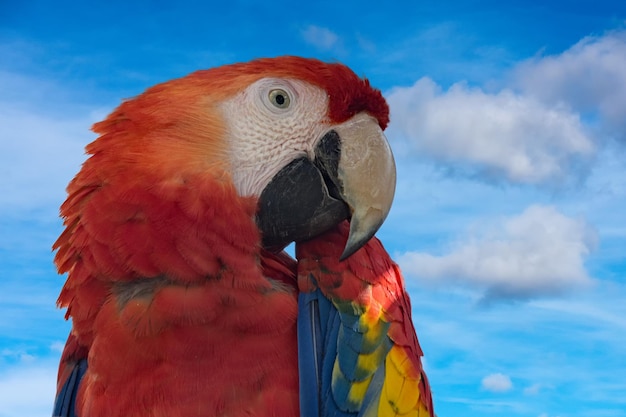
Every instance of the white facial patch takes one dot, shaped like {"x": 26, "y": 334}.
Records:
{"x": 269, "y": 124}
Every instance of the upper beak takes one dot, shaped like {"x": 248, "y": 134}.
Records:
{"x": 352, "y": 177}
{"x": 367, "y": 173}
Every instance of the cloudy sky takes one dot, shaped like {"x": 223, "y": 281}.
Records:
{"x": 509, "y": 129}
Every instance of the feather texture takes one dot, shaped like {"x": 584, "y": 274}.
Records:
{"x": 154, "y": 290}
{"x": 365, "y": 341}
{"x": 173, "y": 303}
{"x": 176, "y": 309}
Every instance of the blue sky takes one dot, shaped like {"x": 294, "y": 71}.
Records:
{"x": 508, "y": 125}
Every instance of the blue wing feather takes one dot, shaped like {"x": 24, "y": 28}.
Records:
{"x": 319, "y": 325}
{"x": 65, "y": 402}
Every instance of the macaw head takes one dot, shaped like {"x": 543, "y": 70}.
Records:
{"x": 297, "y": 141}
{"x": 306, "y": 138}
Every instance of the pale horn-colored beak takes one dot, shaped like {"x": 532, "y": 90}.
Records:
{"x": 367, "y": 174}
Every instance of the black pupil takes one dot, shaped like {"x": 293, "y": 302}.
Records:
{"x": 280, "y": 99}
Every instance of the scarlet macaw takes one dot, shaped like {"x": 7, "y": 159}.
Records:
{"x": 183, "y": 302}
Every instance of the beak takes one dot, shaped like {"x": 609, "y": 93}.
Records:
{"x": 352, "y": 177}
{"x": 367, "y": 172}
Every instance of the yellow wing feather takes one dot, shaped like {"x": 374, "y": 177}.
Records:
{"x": 401, "y": 393}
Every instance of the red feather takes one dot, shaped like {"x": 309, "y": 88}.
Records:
{"x": 369, "y": 281}
{"x": 178, "y": 309}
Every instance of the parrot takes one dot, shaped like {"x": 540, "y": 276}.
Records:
{"x": 182, "y": 298}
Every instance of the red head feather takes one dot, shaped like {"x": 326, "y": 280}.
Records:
{"x": 348, "y": 94}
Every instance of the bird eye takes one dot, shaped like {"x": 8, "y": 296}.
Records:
{"x": 279, "y": 98}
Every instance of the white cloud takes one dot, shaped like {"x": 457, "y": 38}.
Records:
{"x": 543, "y": 127}
{"x": 18, "y": 354}
{"x": 28, "y": 391}
{"x": 502, "y": 135}
{"x": 590, "y": 76}
{"x": 320, "y": 37}
{"x": 40, "y": 148}
{"x": 611, "y": 315}
{"x": 533, "y": 389}
{"x": 539, "y": 252}
{"x": 57, "y": 346}
{"x": 497, "y": 383}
